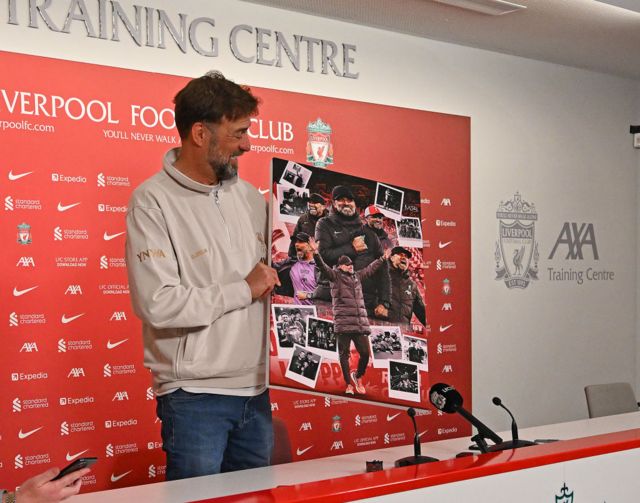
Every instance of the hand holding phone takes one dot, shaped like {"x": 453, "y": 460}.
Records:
{"x": 78, "y": 464}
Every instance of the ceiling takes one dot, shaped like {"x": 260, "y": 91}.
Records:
{"x": 587, "y": 34}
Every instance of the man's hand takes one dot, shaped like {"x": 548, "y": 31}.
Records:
{"x": 41, "y": 489}
{"x": 358, "y": 244}
{"x": 313, "y": 244}
{"x": 262, "y": 280}
{"x": 302, "y": 295}
{"x": 381, "y": 312}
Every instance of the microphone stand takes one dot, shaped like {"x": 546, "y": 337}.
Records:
{"x": 417, "y": 458}
{"x": 515, "y": 442}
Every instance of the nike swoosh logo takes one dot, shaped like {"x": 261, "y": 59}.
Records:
{"x": 28, "y": 433}
{"x": 444, "y": 245}
{"x": 62, "y": 207}
{"x": 17, "y": 177}
{"x": 444, "y": 329}
{"x": 391, "y": 418}
{"x": 263, "y": 191}
{"x": 109, "y": 237}
{"x": 18, "y": 293}
{"x": 115, "y": 478}
{"x": 300, "y": 452}
{"x": 111, "y": 345}
{"x": 422, "y": 433}
{"x": 66, "y": 320}
{"x": 71, "y": 457}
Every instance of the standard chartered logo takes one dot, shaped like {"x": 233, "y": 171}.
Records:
{"x": 62, "y": 346}
{"x": 358, "y": 420}
{"x": 8, "y": 203}
{"x": 109, "y": 451}
{"x": 16, "y": 405}
{"x": 104, "y": 262}
{"x": 18, "y": 461}
{"x": 57, "y": 234}
{"x": 387, "y": 439}
{"x": 13, "y": 319}
{"x": 106, "y": 370}
{"x": 150, "y": 393}
{"x": 64, "y": 428}
{"x": 152, "y": 471}
{"x": 101, "y": 180}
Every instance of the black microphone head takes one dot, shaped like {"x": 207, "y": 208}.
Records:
{"x": 496, "y": 401}
{"x": 445, "y": 398}
{"x": 411, "y": 411}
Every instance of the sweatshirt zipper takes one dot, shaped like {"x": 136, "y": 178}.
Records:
{"x": 224, "y": 222}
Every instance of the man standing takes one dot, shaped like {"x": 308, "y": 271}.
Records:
{"x": 342, "y": 233}
{"x": 375, "y": 222}
{"x": 316, "y": 209}
{"x": 298, "y": 277}
{"x": 195, "y": 251}
{"x": 405, "y": 296}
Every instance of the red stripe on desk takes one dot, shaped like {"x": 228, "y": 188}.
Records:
{"x": 395, "y": 480}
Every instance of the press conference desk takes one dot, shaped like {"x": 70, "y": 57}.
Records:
{"x": 596, "y": 456}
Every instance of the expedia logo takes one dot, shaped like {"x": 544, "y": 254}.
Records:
{"x": 516, "y": 251}
{"x": 446, "y": 431}
{"x": 108, "y": 208}
{"x": 60, "y": 178}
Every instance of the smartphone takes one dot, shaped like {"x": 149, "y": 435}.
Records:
{"x": 78, "y": 464}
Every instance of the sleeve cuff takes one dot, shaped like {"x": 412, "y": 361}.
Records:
{"x": 236, "y": 295}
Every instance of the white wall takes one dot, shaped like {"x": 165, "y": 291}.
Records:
{"x": 558, "y": 135}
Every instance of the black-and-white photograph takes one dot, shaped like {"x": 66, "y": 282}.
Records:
{"x": 404, "y": 381}
{"x": 290, "y": 322}
{"x": 321, "y": 337}
{"x": 389, "y": 201}
{"x": 414, "y": 350}
{"x": 409, "y": 232}
{"x": 386, "y": 344}
{"x": 304, "y": 366}
{"x": 295, "y": 175}
{"x": 292, "y": 202}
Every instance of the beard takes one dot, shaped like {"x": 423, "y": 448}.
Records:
{"x": 346, "y": 211}
{"x": 223, "y": 167}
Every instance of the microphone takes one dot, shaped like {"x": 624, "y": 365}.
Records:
{"x": 446, "y": 398}
{"x": 515, "y": 442}
{"x": 417, "y": 457}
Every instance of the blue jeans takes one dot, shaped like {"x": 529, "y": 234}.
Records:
{"x": 203, "y": 434}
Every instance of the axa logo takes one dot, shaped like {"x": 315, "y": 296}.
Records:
{"x": 118, "y": 316}
{"x": 447, "y": 369}
{"x": 29, "y": 347}
{"x": 25, "y": 262}
{"x": 336, "y": 445}
{"x": 575, "y": 238}
{"x": 73, "y": 290}
{"x": 447, "y": 306}
{"x": 76, "y": 372}
{"x": 120, "y": 396}
{"x": 445, "y": 201}
{"x": 305, "y": 426}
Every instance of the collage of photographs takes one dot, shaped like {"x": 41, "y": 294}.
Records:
{"x": 348, "y": 252}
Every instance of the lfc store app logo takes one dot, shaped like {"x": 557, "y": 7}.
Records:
{"x": 516, "y": 251}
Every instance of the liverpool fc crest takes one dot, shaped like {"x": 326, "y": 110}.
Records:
{"x": 319, "y": 146}
{"x": 516, "y": 251}
{"x": 24, "y": 234}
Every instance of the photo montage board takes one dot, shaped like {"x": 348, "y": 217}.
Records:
{"x": 348, "y": 320}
